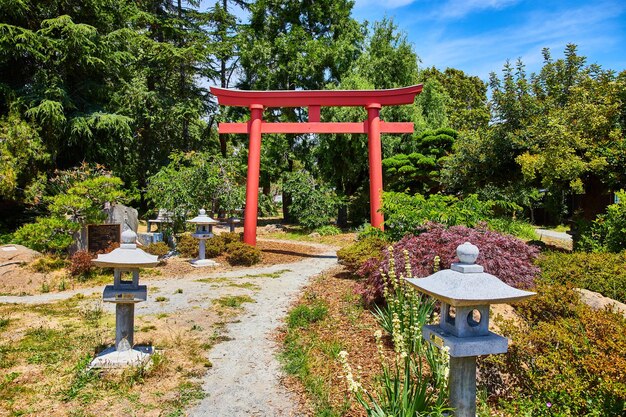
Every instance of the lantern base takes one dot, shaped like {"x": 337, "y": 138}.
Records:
{"x": 199, "y": 263}
{"x": 110, "y": 358}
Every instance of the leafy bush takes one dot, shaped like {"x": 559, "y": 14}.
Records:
{"x": 506, "y": 257}
{"x": 514, "y": 227}
{"x": 565, "y": 359}
{"x": 187, "y": 246}
{"x": 159, "y": 249}
{"x": 405, "y": 214}
{"x": 354, "y": 256}
{"x": 80, "y": 264}
{"x": 243, "y": 254}
{"x": 230, "y": 237}
{"x": 608, "y": 232}
{"x": 214, "y": 246}
{"x": 328, "y": 230}
{"x": 599, "y": 272}
{"x": 48, "y": 263}
{"x": 312, "y": 204}
{"x": 47, "y": 234}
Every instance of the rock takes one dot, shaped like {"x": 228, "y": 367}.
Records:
{"x": 599, "y": 302}
{"x": 314, "y": 234}
{"x": 117, "y": 213}
{"x": 271, "y": 228}
{"x": 14, "y": 254}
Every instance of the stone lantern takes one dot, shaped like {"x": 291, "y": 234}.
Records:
{"x": 466, "y": 292}
{"x": 127, "y": 259}
{"x": 204, "y": 230}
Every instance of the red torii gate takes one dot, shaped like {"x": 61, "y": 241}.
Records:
{"x": 257, "y": 101}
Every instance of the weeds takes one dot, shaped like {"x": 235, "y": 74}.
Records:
{"x": 234, "y": 301}
{"x": 303, "y": 315}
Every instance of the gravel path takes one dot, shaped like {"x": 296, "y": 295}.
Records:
{"x": 245, "y": 377}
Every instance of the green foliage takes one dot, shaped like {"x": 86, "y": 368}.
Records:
{"x": 84, "y": 201}
{"x": 159, "y": 249}
{"x": 243, "y": 254}
{"x": 406, "y": 388}
{"x": 608, "y": 232}
{"x": 21, "y": 153}
{"x": 214, "y": 246}
{"x": 565, "y": 360}
{"x": 197, "y": 180}
{"x": 303, "y": 315}
{"x": 418, "y": 171}
{"x": 328, "y": 230}
{"x": 47, "y": 234}
{"x": 187, "y": 246}
{"x": 355, "y": 255}
{"x": 405, "y": 214}
{"x": 312, "y": 203}
{"x": 599, "y": 272}
{"x": 47, "y": 264}
{"x": 518, "y": 228}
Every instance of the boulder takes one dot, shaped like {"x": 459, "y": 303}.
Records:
{"x": 597, "y": 301}
{"x": 17, "y": 254}
{"x": 117, "y": 213}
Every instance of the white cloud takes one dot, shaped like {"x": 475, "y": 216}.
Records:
{"x": 460, "y": 8}
{"x": 588, "y": 27}
{"x": 384, "y": 5}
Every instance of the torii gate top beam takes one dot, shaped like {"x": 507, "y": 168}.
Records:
{"x": 306, "y": 98}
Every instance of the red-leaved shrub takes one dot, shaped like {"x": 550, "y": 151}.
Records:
{"x": 504, "y": 256}
{"x": 80, "y": 263}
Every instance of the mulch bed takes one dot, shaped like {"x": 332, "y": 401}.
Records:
{"x": 347, "y": 324}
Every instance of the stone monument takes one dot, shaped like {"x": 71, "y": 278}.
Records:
{"x": 127, "y": 259}
{"x": 204, "y": 230}
{"x": 466, "y": 292}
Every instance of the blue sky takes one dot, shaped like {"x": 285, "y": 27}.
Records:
{"x": 478, "y": 36}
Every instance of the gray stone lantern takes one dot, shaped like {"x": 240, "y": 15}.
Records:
{"x": 466, "y": 292}
{"x": 127, "y": 259}
{"x": 204, "y": 230}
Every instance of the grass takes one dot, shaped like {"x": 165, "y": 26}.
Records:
{"x": 44, "y": 364}
{"x": 276, "y": 274}
{"x": 233, "y": 301}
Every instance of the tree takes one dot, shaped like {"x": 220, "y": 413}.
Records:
{"x": 417, "y": 170}
{"x": 388, "y": 61}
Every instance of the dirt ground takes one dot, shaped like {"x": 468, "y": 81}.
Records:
{"x": 18, "y": 276}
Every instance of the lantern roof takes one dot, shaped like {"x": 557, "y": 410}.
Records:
{"x": 202, "y": 218}
{"x": 127, "y": 255}
{"x": 466, "y": 283}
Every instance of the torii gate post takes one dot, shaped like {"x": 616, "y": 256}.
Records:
{"x": 257, "y": 101}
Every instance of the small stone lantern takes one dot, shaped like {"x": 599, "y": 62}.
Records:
{"x": 466, "y": 292}
{"x": 125, "y": 294}
{"x": 204, "y": 230}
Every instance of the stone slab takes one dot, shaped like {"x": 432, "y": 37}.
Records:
{"x": 112, "y": 359}
{"x": 201, "y": 263}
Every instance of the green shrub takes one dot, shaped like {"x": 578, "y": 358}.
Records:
{"x": 214, "y": 246}
{"x": 303, "y": 315}
{"x": 230, "y": 237}
{"x": 47, "y": 234}
{"x": 600, "y": 272}
{"x": 243, "y": 254}
{"x": 328, "y": 230}
{"x": 406, "y": 214}
{"x": 356, "y": 254}
{"x": 517, "y": 228}
{"x": 312, "y": 204}
{"x": 48, "y": 263}
{"x": 608, "y": 232}
{"x": 565, "y": 359}
{"x": 159, "y": 249}
{"x": 187, "y": 246}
